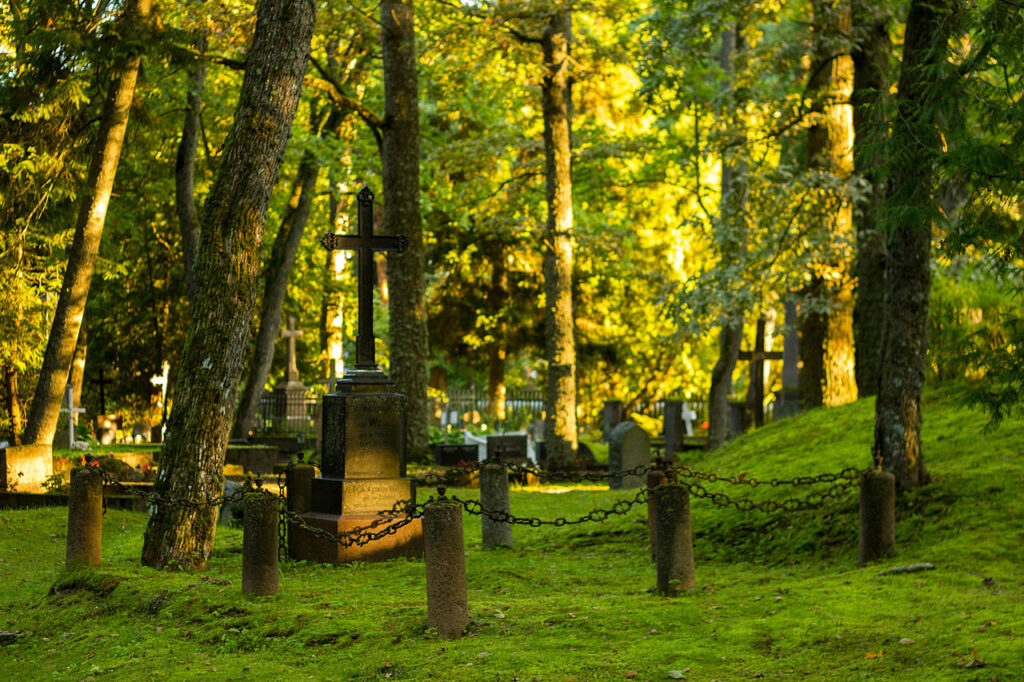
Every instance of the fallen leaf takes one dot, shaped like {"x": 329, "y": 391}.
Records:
{"x": 873, "y": 654}
{"x": 677, "y": 674}
{"x": 632, "y": 673}
{"x": 987, "y": 624}
{"x": 906, "y": 640}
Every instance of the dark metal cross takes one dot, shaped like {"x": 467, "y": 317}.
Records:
{"x": 755, "y": 392}
{"x": 365, "y": 243}
{"x": 102, "y": 382}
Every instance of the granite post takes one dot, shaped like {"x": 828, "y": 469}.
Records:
{"x": 299, "y": 484}
{"x": 447, "y": 602}
{"x": 85, "y": 518}
{"x": 259, "y": 543}
{"x": 877, "y": 516}
{"x": 494, "y": 497}
{"x": 674, "y": 552}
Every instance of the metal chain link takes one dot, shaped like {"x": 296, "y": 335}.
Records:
{"x": 620, "y": 507}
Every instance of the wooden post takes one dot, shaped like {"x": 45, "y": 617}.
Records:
{"x": 447, "y": 603}
{"x": 85, "y": 518}
{"x": 674, "y": 552}
{"x": 259, "y": 543}
{"x": 494, "y": 497}
{"x": 877, "y": 516}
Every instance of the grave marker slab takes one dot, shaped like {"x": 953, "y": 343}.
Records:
{"x": 629, "y": 446}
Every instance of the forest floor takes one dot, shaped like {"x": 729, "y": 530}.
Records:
{"x": 778, "y": 596}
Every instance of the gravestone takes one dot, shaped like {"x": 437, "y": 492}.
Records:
{"x": 141, "y": 431}
{"x": 105, "y": 426}
{"x": 629, "y": 447}
{"x": 787, "y": 401}
{"x": 24, "y": 468}
{"x": 362, "y": 463}
{"x": 672, "y": 423}
{"x": 454, "y": 454}
{"x": 612, "y": 416}
{"x": 511, "y": 449}
{"x": 290, "y": 394}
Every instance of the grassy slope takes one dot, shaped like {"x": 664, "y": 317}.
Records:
{"x": 778, "y": 595}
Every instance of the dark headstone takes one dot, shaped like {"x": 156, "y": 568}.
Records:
{"x": 451, "y": 454}
{"x": 612, "y": 415}
{"x": 511, "y": 449}
{"x": 629, "y": 447}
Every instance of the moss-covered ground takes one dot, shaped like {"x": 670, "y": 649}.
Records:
{"x": 779, "y": 596}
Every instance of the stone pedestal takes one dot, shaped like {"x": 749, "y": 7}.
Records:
{"x": 363, "y": 477}
{"x": 289, "y": 406}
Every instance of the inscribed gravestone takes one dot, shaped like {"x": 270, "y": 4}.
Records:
{"x": 629, "y": 447}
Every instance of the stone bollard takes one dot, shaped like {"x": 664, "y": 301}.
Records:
{"x": 877, "y": 516}
{"x": 447, "y": 604}
{"x": 259, "y": 543}
{"x": 85, "y": 518}
{"x": 655, "y": 478}
{"x": 674, "y": 553}
{"x": 299, "y": 484}
{"x": 494, "y": 498}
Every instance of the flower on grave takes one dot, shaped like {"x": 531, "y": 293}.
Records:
{"x": 94, "y": 463}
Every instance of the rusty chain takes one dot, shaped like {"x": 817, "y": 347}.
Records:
{"x": 404, "y": 512}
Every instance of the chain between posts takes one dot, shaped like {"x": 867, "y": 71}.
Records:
{"x": 404, "y": 512}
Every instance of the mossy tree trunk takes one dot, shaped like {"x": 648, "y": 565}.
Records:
{"x": 67, "y": 318}
{"x": 927, "y": 84}
{"x": 400, "y": 160}
{"x": 497, "y": 300}
{"x": 826, "y": 338}
{"x": 275, "y": 283}
{"x": 871, "y": 56}
{"x": 227, "y": 274}
{"x": 559, "y": 326}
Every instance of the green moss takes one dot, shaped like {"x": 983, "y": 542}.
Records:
{"x": 777, "y": 594}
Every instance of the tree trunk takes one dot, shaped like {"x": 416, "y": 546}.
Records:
{"x": 67, "y": 318}
{"x": 497, "y": 300}
{"x": 729, "y": 339}
{"x": 871, "y": 56}
{"x": 184, "y": 170}
{"x": 730, "y": 238}
{"x": 332, "y": 305}
{"x": 282, "y": 258}
{"x": 826, "y": 340}
{"x": 77, "y": 373}
{"x": 910, "y": 210}
{"x": 12, "y": 405}
{"x": 227, "y": 274}
{"x": 559, "y": 326}
{"x": 400, "y": 159}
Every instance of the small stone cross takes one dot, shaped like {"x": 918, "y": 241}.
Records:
{"x": 291, "y": 333}
{"x": 71, "y": 410}
{"x": 364, "y": 244}
{"x": 688, "y": 416}
{"x": 331, "y": 380}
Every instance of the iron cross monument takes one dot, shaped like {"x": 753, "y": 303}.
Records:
{"x": 364, "y": 244}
